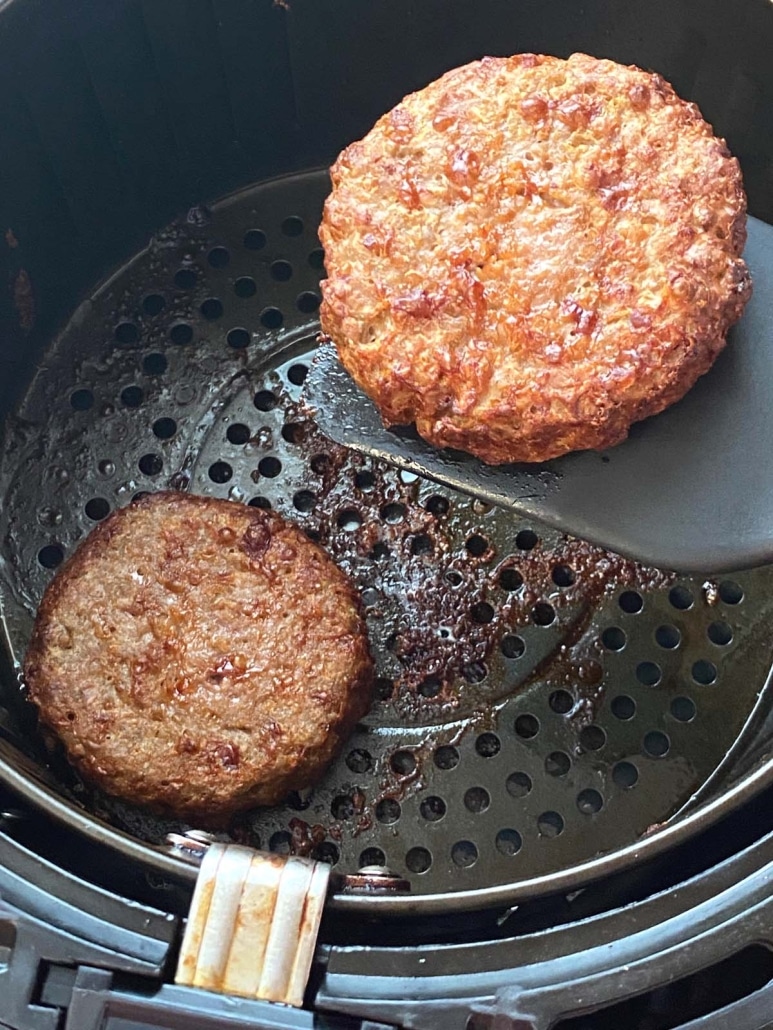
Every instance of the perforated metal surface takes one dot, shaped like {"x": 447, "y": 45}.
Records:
{"x": 539, "y": 701}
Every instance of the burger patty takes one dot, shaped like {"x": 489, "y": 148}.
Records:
{"x": 199, "y": 657}
{"x": 530, "y": 254}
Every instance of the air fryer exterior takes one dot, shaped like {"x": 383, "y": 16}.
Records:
{"x": 116, "y": 116}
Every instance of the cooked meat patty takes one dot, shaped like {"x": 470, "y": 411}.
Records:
{"x": 530, "y": 254}
{"x": 199, "y": 657}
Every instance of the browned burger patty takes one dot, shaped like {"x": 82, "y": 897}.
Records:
{"x": 199, "y": 657}
{"x": 530, "y": 254}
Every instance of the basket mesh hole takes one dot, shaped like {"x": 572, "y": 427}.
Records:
{"x": 704, "y": 672}
{"x": 317, "y": 258}
{"x": 512, "y": 646}
{"x": 526, "y": 540}
{"x": 218, "y": 257}
{"x": 477, "y": 800}
{"x": 518, "y": 784}
{"x": 623, "y": 707}
{"x": 681, "y": 598}
{"x": 437, "y": 505}
{"x": 683, "y": 709}
{"x": 649, "y": 673}
{"x": 181, "y": 333}
{"x": 557, "y": 763}
{"x": 388, "y": 811}
{"x": 342, "y": 807}
{"x": 50, "y": 556}
{"x": 432, "y": 808}
{"x": 720, "y": 633}
{"x": 254, "y": 239}
{"x": 238, "y": 433}
{"x": 151, "y": 464}
{"x": 527, "y": 726}
{"x": 265, "y": 400}
{"x": 543, "y": 614}
{"x": 81, "y": 400}
{"x": 430, "y": 686}
{"x": 304, "y": 500}
{"x": 185, "y": 278}
{"x": 473, "y": 672}
{"x": 550, "y": 824}
{"x": 487, "y": 745}
{"x": 245, "y": 287}
{"x": 132, "y": 396}
{"x": 153, "y": 304}
{"x": 482, "y": 612}
{"x": 418, "y": 860}
{"x": 631, "y": 602}
{"x": 154, "y": 364}
{"x": 292, "y": 226}
{"x": 211, "y": 309}
{"x": 97, "y": 508}
{"x": 403, "y": 763}
{"x": 370, "y": 597}
{"x": 589, "y": 801}
{"x": 592, "y": 738}
{"x": 510, "y": 579}
{"x": 307, "y": 302}
{"x": 126, "y": 332}
{"x": 477, "y": 545}
{"x": 561, "y": 701}
{"x": 220, "y": 472}
{"x": 349, "y": 519}
{"x": 668, "y": 637}
{"x": 364, "y": 480}
{"x": 164, "y": 428}
{"x": 730, "y": 592}
{"x": 384, "y": 688}
{"x": 359, "y": 760}
{"x": 372, "y": 856}
{"x": 281, "y": 271}
{"x": 326, "y": 852}
{"x": 280, "y": 842}
{"x": 260, "y": 502}
{"x": 656, "y": 744}
{"x": 421, "y": 544}
{"x": 294, "y": 432}
{"x": 454, "y": 577}
{"x": 625, "y": 775}
{"x": 464, "y": 854}
{"x": 380, "y": 551}
{"x": 239, "y": 338}
{"x": 269, "y": 467}
{"x": 271, "y": 318}
{"x": 393, "y": 513}
{"x": 446, "y": 757}
{"x": 613, "y": 638}
{"x": 563, "y": 576}
{"x": 297, "y": 373}
{"x": 508, "y": 842}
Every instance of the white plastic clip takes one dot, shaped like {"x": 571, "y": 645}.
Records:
{"x": 253, "y": 924}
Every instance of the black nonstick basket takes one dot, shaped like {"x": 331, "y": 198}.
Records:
{"x": 547, "y": 714}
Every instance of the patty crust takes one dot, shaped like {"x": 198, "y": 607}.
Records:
{"x": 530, "y": 254}
{"x": 199, "y": 657}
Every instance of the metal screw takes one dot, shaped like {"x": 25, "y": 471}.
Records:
{"x": 374, "y": 879}
{"x": 190, "y": 845}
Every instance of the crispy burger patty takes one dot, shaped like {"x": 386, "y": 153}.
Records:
{"x": 530, "y": 254}
{"x": 199, "y": 657}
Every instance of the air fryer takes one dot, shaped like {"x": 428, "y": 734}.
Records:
{"x": 566, "y": 770}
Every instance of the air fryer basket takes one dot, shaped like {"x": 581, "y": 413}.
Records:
{"x": 543, "y": 708}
